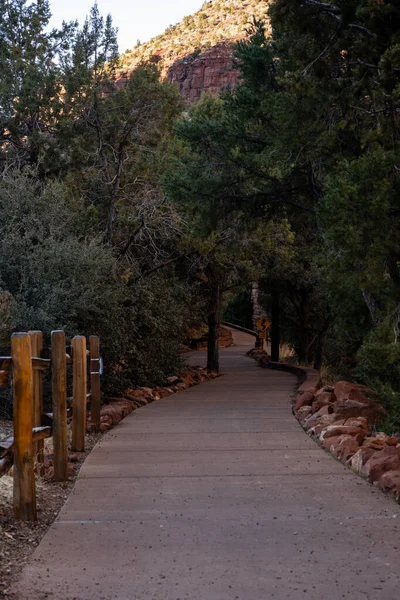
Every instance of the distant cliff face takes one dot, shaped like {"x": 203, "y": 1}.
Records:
{"x": 197, "y": 53}
{"x": 211, "y": 71}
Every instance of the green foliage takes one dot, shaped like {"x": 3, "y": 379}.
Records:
{"x": 118, "y": 211}
{"x": 378, "y": 365}
{"x": 239, "y": 310}
{"x": 86, "y": 232}
{"x": 29, "y": 82}
{"x": 54, "y": 277}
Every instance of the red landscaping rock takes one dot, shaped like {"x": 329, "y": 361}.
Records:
{"x": 324, "y": 390}
{"x": 359, "y": 459}
{"x": 388, "y": 439}
{"x": 382, "y": 461}
{"x": 334, "y": 442}
{"x": 162, "y": 392}
{"x": 325, "y": 399}
{"x": 111, "y": 414}
{"x": 318, "y": 418}
{"x": 346, "y": 448}
{"x": 324, "y": 410}
{"x": 354, "y": 432}
{"x": 303, "y": 413}
{"x": 138, "y": 393}
{"x": 357, "y": 422}
{"x": 136, "y": 399}
{"x": 374, "y": 413}
{"x": 392, "y": 441}
{"x": 374, "y": 443}
{"x": 305, "y": 399}
{"x": 146, "y": 391}
{"x": 331, "y": 442}
{"x": 345, "y": 390}
{"x": 323, "y": 423}
{"x": 390, "y": 482}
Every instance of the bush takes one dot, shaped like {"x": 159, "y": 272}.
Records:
{"x": 378, "y": 365}
{"x": 56, "y": 274}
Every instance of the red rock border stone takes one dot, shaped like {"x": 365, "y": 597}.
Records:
{"x": 343, "y": 419}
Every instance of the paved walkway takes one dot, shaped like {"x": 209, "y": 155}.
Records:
{"x": 217, "y": 494}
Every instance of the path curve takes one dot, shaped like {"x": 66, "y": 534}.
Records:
{"x": 216, "y": 493}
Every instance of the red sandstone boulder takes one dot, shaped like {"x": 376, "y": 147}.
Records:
{"x": 331, "y": 442}
{"x": 111, "y": 414}
{"x": 334, "y": 442}
{"x": 303, "y": 413}
{"x": 137, "y": 400}
{"x": 325, "y": 399}
{"x": 374, "y": 413}
{"x": 392, "y": 441}
{"x": 324, "y": 422}
{"x": 374, "y": 443}
{"x": 360, "y": 422}
{"x": 382, "y": 461}
{"x": 354, "y": 432}
{"x": 324, "y": 390}
{"x": 138, "y": 393}
{"x": 388, "y": 439}
{"x": 162, "y": 392}
{"x": 390, "y": 482}
{"x": 346, "y": 448}
{"x": 345, "y": 390}
{"x": 146, "y": 391}
{"x": 359, "y": 460}
{"x": 322, "y": 412}
{"x": 305, "y": 399}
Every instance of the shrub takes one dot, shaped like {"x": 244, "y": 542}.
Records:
{"x": 57, "y": 274}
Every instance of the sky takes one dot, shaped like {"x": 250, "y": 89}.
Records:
{"x": 135, "y": 19}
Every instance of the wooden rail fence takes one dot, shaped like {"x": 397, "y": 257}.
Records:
{"x": 24, "y": 369}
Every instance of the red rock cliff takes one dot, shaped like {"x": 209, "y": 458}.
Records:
{"x": 210, "y": 71}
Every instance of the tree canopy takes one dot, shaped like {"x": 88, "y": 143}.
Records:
{"x": 291, "y": 179}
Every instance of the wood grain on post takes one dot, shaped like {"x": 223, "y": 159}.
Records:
{"x": 94, "y": 344}
{"x": 59, "y": 394}
{"x": 36, "y": 349}
{"x": 24, "y": 474}
{"x": 79, "y": 393}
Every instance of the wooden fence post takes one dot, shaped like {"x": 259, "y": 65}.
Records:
{"x": 94, "y": 344}
{"x": 24, "y": 475}
{"x": 36, "y": 348}
{"x": 59, "y": 393}
{"x": 79, "y": 361}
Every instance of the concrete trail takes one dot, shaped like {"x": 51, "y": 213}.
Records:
{"x": 216, "y": 493}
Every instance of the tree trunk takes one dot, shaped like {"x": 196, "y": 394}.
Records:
{"x": 213, "y": 324}
{"x": 275, "y": 329}
{"x": 255, "y": 301}
{"x": 319, "y": 352}
{"x": 303, "y": 338}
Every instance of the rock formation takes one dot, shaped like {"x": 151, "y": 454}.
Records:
{"x": 210, "y": 71}
{"x": 197, "y": 53}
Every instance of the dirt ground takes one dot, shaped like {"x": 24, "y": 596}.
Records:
{"x": 18, "y": 540}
